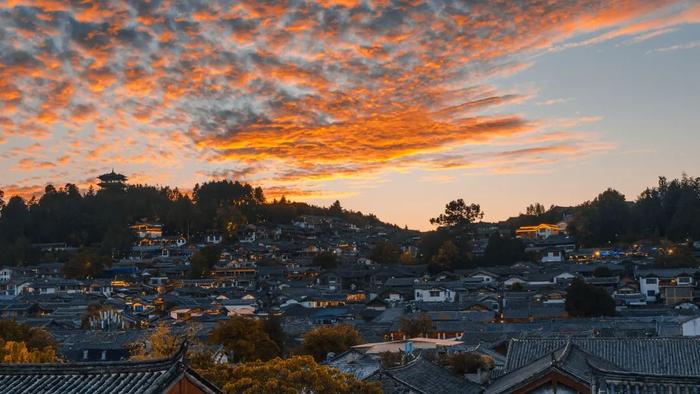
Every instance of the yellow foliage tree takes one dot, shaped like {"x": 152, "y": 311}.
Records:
{"x": 160, "y": 344}
{"x": 17, "y": 352}
{"x": 298, "y": 374}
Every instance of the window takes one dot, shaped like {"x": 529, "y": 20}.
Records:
{"x": 683, "y": 279}
{"x": 651, "y": 293}
{"x": 651, "y": 281}
{"x": 435, "y": 293}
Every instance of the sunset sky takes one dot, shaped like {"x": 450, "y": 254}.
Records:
{"x": 393, "y": 107}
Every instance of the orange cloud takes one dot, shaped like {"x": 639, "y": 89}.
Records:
{"x": 295, "y": 95}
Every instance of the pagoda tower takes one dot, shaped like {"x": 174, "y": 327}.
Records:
{"x": 112, "y": 181}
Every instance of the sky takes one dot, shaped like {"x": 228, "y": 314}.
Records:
{"x": 392, "y": 107}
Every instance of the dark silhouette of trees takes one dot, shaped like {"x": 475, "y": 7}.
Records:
{"x": 100, "y": 219}
{"x": 203, "y": 261}
{"x": 385, "y": 252}
{"x": 587, "y": 300}
{"x": 86, "y": 264}
{"x": 459, "y": 216}
{"x": 604, "y": 220}
{"x": 503, "y": 250}
{"x": 535, "y": 209}
{"x": 325, "y": 260}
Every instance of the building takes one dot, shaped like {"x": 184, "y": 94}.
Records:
{"x": 599, "y": 366}
{"x": 171, "y": 376}
{"x": 541, "y": 231}
{"x": 147, "y": 230}
{"x": 670, "y": 285}
{"x": 112, "y": 181}
{"x": 433, "y": 293}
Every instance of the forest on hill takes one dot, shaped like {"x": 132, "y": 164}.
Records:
{"x": 101, "y": 219}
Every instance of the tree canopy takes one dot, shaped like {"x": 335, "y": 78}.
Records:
{"x": 322, "y": 340}
{"x": 586, "y": 300}
{"x": 245, "y": 339}
{"x": 20, "y": 343}
{"x": 297, "y": 374}
{"x": 420, "y": 326}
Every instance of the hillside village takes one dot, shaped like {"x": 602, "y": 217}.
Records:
{"x": 321, "y": 270}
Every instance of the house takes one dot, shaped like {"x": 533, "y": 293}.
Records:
{"x": 214, "y": 238}
{"x": 671, "y": 285}
{"x": 147, "y": 230}
{"x": 5, "y": 275}
{"x": 541, "y": 231}
{"x": 599, "y": 365}
{"x": 171, "y": 376}
{"x": 433, "y": 293}
{"x": 552, "y": 255}
{"x": 484, "y": 277}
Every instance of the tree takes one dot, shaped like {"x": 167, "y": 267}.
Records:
{"x": 464, "y": 363}
{"x": 244, "y": 339}
{"x": 446, "y": 258}
{"x": 459, "y": 215}
{"x": 586, "y": 300}
{"x": 602, "y": 272}
{"x": 86, "y": 264}
{"x": 335, "y": 209}
{"x": 329, "y": 339}
{"x": 298, "y": 374}
{"x": 676, "y": 256}
{"x": 17, "y": 352}
{"x": 421, "y": 326}
{"x": 159, "y": 344}
{"x": 535, "y": 209}
{"x": 385, "y": 252}
{"x": 273, "y": 328}
{"x": 20, "y": 343}
{"x": 325, "y": 260}
{"x": 503, "y": 251}
{"x": 604, "y": 220}
{"x": 35, "y": 338}
{"x": 203, "y": 261}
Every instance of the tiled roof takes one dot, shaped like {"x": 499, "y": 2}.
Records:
{"x": 153, "y": 376}
{"x": 662, "y": 355}
{"x": 421, "y": 376}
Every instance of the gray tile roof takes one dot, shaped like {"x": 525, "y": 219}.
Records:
{"x": 422, "y": 376}
{"x": 668, "y": 356}
{"x": 99, "y": 378}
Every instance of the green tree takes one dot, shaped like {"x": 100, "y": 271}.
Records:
{"x": 459, "y": 216}
{"x": 421, "y": 326}
{"x": 336, "y": 209}
{"x": 502, "y": 250}
{"x": 586, "y": 300}
{"x": 325, "y": 260}
{"x": 385, "y": 252}
{"x": 604, "y": 220}
{"x": 676, "y": 256}
{"x": 446, "y": 259}
{"x": 203, "y": 261}
{"x": 322, "y": 340}
{"x": 86, "y": 264}
{"x": 244, "y": 339}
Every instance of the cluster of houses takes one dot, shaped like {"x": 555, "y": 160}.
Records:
{"x": 513, "y": 315}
